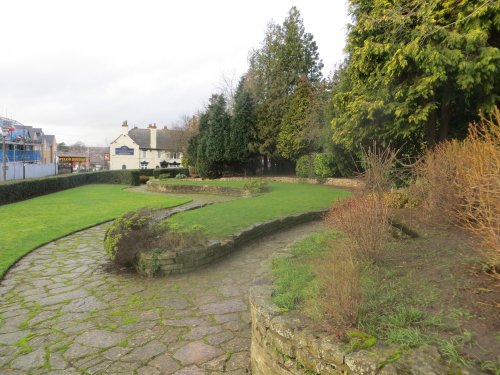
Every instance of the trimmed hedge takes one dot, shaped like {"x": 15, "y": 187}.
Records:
{"x": 323, "y": 165}
{"x": 305, "y": 166}
{"x": 15, "y": 191}
{"x": 171, "y": 171}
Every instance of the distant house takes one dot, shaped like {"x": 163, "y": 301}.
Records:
{"x": 28, "y": 144}
{"x": 28, "y": 151}
{"x": 146, "y": 148}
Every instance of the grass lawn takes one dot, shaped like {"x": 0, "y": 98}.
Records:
{"x": 283, "y": 199}
{"x": 28, "y": 224}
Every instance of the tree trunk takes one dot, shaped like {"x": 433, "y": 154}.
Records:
{"x": 444, "y": 123}
{"x": 266, "y": 168}
{"x": 430, "y": 129}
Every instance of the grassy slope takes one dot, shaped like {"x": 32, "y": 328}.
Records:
{"x": 283, "y": 199}
{"x": 31, "y": 223}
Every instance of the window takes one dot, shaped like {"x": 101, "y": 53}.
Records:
{"x": 124, "y": 166}
{"x": 144, "y": 153}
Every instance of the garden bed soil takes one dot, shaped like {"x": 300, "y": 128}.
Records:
{"x": 449, "y": 259}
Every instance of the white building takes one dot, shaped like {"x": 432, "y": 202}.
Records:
{"x": 146, "y": 148}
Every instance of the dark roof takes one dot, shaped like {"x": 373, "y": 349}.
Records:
{"x": 140, "y": 136}
{"x": 166, "y": 139}
{"x": 169, "y": 139}
{"x": 50, "y": 139}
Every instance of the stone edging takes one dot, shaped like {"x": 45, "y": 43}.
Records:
{"x": 353, "y": 183}
{"x": 186, "y": 260}
{"x": 197, "y": 189}
{"x": 285, "y": 343}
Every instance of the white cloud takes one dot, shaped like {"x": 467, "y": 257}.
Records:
{"x": 79, "y": 68}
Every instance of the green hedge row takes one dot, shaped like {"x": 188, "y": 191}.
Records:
{"x": 171, "y": 171}
{"x": 324, "y": 165}
{"x": 158, "y": 171}
{"x": 15, "y": 191}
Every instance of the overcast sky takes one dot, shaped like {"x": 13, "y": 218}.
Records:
{"x": 79, "y": 68}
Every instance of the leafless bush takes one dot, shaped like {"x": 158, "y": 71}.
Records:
{"x": 379, "y": 165}
{"x": 338, "y": 277}
{"x": 459, "y": 182}
{"x": 434, "y": 183}
{"x": 365, "y": 221}
{"x": 477, "y": 184}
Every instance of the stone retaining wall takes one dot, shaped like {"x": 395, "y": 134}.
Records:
{"x": 197, "y": 189}
{"x": 285, "y": 343}
{"x": 170, "y": 262}
{"x": 350, "y": 183}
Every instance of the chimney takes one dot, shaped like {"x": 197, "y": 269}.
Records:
{"x": 125, "y": 128}
{"x": 152, "y": 134}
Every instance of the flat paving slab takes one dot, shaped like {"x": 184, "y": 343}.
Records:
{"x": 64, "y": 309}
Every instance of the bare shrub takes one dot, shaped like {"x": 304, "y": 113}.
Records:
{"x": 459, "y": 183}
{"x": 477, "y": 184}
{"x": 338, "y": 279}
{"x": 365, "y": 221}
{"x": 379, "y": 165}
{"x": 435, "y": 176}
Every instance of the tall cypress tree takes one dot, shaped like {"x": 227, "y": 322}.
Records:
{"x": 417, "y": 72}
{"x": 217, "y": 138}
{"x": 287, "y": 53}
{"x": 242, "y": 123}
{"x": 292, "y": 142}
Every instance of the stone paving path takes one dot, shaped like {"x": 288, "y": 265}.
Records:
{"x": 65, "y": 310}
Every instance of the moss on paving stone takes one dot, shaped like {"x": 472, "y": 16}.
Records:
{"x": 144, "y": 311}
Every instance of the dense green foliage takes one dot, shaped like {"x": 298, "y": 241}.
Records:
{"x": 218, "y": 131}
{"x": 256, "y": 185}
{"x": 31, "y": 223}
{"x": 292, "y": 141}
{"x": 208, "y": 149}
{"x": 417, "y": 72}
{"x": 288, "y": 55}
{"x": 305, "y": 166}
{"x": 280, "y": 109}
{"x": 242, "y": 123}
{"x": 283, "y": 199}
{"x": 129, "y": 234}
{"x": 14, "y": 191}
{"x": 324, "y": 165}
{"x": 172, "y": 172}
